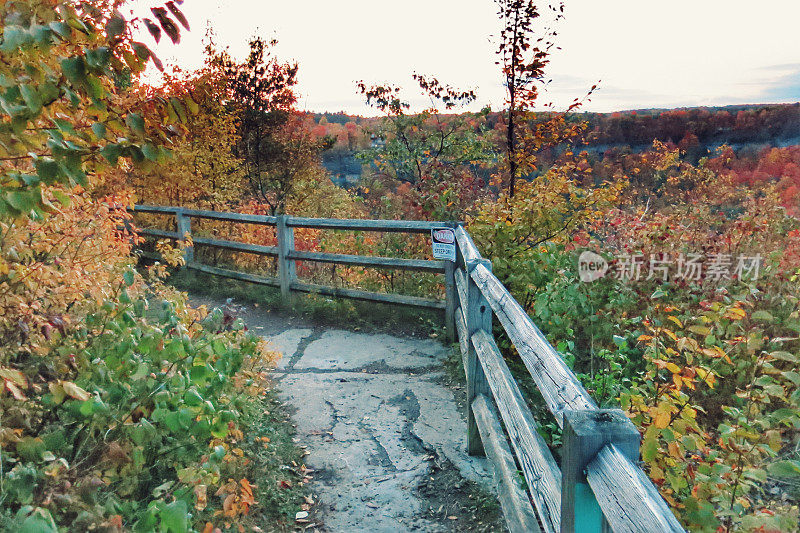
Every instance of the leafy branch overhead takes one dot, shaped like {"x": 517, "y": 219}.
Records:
{"x": 63, "y": 115}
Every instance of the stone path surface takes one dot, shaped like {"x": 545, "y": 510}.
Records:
{"x": 377, "y": 421}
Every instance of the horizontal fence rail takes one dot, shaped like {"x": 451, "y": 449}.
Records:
{"x": 287, "y": 255}
{"x": 599, "y": 485}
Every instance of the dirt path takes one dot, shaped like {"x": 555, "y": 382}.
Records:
{"x": 384, "y": 434}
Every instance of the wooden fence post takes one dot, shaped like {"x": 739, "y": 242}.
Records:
{"x": 478, "y": 316}
{"x": 286, "y": 266}
{"x": 184, "y": 228}
{"x": 585, "y": 434}
{"x": 450, "y": 300}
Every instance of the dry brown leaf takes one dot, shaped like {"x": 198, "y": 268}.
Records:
{"x": 75, "y": 391}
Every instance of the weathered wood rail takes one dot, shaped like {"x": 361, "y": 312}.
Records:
{"x": 598, "y": 486}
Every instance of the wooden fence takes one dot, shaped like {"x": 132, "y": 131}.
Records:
{"x": 287, "y": 256}
{"x": 599, "y": 485}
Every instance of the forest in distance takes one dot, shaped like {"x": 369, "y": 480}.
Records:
{"x": 749, "y": 132}
{"x": 124, "y": 408}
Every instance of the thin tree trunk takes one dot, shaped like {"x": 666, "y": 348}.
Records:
{"x": 512, "y": 156}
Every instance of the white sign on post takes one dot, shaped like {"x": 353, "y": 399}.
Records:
{"x": 443, "y": 241}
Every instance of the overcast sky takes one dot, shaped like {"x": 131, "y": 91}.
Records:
{"x": 647, "y": 53}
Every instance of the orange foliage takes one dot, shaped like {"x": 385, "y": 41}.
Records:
{"x": 67, "y": 262}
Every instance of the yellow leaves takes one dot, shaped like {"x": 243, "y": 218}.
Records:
{"x": 656, "y": 473}
{"x": 200, "y": 497}
{"x": 61, "y": 389}
{"x": 237, "y": 498}
{"x": 677, "y": 381}
{"x": 8, "y": 435}
{"x": 669, "y": 333}
{"x": 172, "y": 255}
{"x": 717, "y": 353}
{"x": 707, "y": 376}
{"x": 14, "y": 376}
{"x": 14, "y": 390}
{"x": 14, "y": 381}
{"x": 686, "y": 343}
{"x": 675, "y": 320}
{"x": 674, "y": 450}
{"x": 644, "y": 338}
{"x": 775, "y": 440}
{"x": 700, "y": 330}
{"x": 735, "y": 313}
{"x": 662, "y": 417}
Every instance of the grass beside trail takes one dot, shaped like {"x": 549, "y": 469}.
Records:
{"x": 337, "y": 312}
{"x": 277, "y": 468}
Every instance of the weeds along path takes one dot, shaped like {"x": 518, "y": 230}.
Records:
{"x": 385, "y": 438}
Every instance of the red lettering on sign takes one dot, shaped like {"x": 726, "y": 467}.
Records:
{"x": 444, "y": 235}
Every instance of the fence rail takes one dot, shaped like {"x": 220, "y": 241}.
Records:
{"x": 598, "y": 486}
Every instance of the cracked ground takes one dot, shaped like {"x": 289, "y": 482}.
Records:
{"x": 379, "y": 426}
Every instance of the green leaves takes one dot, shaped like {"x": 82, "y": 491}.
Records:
{"x": 785, "y": 469}
{"x": 31, "y": 449}
{"x": 649, "y": 449}
{"x": 74, "y": 69}
{"x": 174, "y": 517}
{"x": 192, "y": 398}
{"x": 14, "y": 37}
{"x": 36, "y": 520}
{"x": 99, "y": 129}
{"x": 150, "y": 152}
{"x": 31, "y": 97}
{"x": 48, "y": 170}
{"x": 21, "y": 200}
{"x": 135, "y": 122}
{"x": 785, "y": 356}
{"x": 98, "y": 58}
{"x": 57, "y": 78}
{"x": 177, "y": 105}
{"x": 62, "y": 29}
{"x": 112, "y": 152}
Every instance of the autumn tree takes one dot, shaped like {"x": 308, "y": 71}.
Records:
{"x": 203, "y": 171}
{"x": 288, "y": 156}
{"x": 434, "y": 155}
{"x": 523, "y": 54}
{"x": 522, "y": 58}
{"x": 275, "y": 151}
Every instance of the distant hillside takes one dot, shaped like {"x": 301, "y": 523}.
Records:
{"x": 711, "y": 126}
{"x": 706, "y": 126}
{"x": 698, "y": 131}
